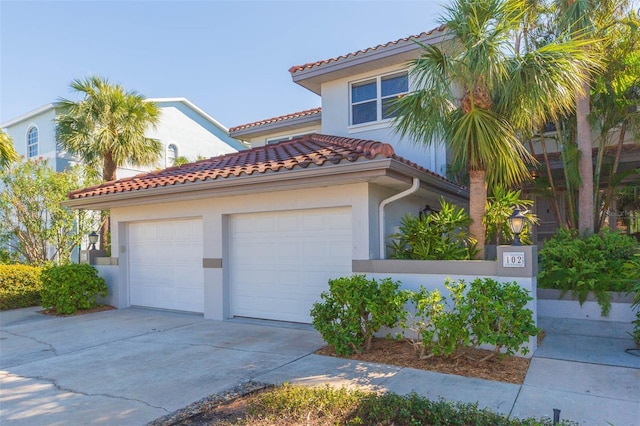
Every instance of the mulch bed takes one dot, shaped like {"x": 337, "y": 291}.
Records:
{"x": 402, "y": 354}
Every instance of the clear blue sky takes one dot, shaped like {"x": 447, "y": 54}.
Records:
{"x": 230, "y": 58}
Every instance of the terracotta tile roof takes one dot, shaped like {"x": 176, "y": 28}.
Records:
{"x": 313, "y": 150}
{"x": 306, "y": 113}
{"x": 294, "y": 69}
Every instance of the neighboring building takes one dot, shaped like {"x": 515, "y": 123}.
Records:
{"x": 355, "y": 91}
{"x": 184, "y": 130}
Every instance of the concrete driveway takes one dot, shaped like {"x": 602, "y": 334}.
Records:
{"x": 130, "y": 366}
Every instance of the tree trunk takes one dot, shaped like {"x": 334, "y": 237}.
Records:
{"x": 477, "y": 206}
{"x": 608, "y": 199}
{"x": 109, "y": 168}
{"x": 553, "y": 202}
{"x": 585, "y": 164}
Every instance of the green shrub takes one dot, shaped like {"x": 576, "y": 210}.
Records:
{"x": 298, "y": 404}
{"x": 632, "y": 272}
{"x": 497, "y": 315}
{"x": 19, "y": 286}
{"x": 440, "y": 327}
{"x": 587, "y": 263}
{"x": 68, "y": 288}
{"x": 442, "y": 235}
{"x": 489, "y": 312}
{"x": 354, "y": 309}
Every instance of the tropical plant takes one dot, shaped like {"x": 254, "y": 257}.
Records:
{"x": 7, "y": 151}
{"x": 476, "y": 91}
{"x": 615, "y": 111}
{"x": 606, "y": 115}
{"x": 587, "y": 263}
{"x": 496, "y": 218}
{"x": 632, "y": 272}
{"x": 440, "y": 235}
{"x": 33, "y": 223}
{"x": 106, "y": 128}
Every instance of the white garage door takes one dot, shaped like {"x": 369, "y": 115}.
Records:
{"x": 280, "y": 262}
{"x": 165, "y": 265}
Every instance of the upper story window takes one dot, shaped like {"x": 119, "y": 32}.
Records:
{"x": 32, "y": 142}
{"x": 172, "y": 154}
{"x": 371, "y": 100}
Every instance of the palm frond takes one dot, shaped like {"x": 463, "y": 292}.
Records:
{"x": 487, "y": 142}
{"x": 8, "y": 153}
{"x": 544, "y": 83}
{"x": 107, "y": 122}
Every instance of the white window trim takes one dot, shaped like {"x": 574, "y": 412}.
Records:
{"x": 379, "y": 123}
{"x": 167, "y": 150}
{"x": 37, "y": 144}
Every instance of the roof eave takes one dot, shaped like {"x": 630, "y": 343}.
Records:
{"x": 337, "y": 174}
{"x": 236, "y": 185}
{"x": 400, "y": 53}
{"x": 28, "y": 115}
{"x": 268, "y": 128}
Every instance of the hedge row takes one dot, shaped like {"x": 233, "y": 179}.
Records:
{"x": 20, "y": 286}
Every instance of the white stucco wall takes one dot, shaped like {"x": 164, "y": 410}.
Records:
{"x": 45, "y": 122}
{"x": 335, "y": 121}
{"x": 190, "y": 133}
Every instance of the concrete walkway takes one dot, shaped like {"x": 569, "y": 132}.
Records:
{"x": 581, "y": 368}
{"x": 131, "y": 366}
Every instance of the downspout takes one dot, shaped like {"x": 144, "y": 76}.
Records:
{"x": 414, "y": 187}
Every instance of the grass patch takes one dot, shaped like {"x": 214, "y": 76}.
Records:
{"x": 325, "y": 405}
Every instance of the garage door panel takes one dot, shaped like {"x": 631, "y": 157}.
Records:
{"x": 278, "y": 272}
{"x": 165, "y": 265}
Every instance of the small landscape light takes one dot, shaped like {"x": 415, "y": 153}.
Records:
{"x": 516, "y": 223}
{"x": 93, "y": 239}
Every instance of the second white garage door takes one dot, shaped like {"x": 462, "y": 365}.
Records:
{"x": 165, "y": 265}
{"x": 280, "y": 262}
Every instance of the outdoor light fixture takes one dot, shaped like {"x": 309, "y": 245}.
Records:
{"x": 93, "y": 239}
{"x": 516, "y": 223}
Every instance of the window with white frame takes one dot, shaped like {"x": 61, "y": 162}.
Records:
{"x": 172, "y": 154}
{"x": 32, "y": 142}
{"x": 372, "y": 99}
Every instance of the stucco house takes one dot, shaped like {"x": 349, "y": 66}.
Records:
{"x": 184, "y": 130}
{"x": 259, "y": 232}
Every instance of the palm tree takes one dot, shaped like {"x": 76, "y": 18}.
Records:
{"x": 577, "y": 16}
{"x": 476, "y": 92}
{"x": 596, "y": 19}
{"x": 106, "y": 128}
{"x": 7, "y": 152}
